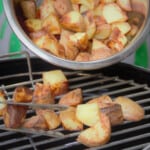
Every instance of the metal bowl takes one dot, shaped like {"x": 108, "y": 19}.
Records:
{"x": 9, "y": 7}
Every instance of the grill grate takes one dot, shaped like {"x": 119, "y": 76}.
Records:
{"x": 128, "y": 136}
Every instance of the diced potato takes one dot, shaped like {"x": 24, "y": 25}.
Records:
{"x": 102, "y": 101}
{"x": 90, "y": 24}
{"x": 72, "y": 98}
{"x": 28, "y": 8}
{"x": 69, "y": 120}
{"x": 42, "y": 94}
{"x": 88, "y": 114}
{"x": 46, "y": 8}
{"x": 103, "y": 31}
{"x": 3, "y": 100}
{"x": 80, "y": 40}
{"x": 33, "y": 24}
{"x": 97, "y": 135}
{"x": 113, "y": 13}
{"x": 100, "y": 50}
{"x": 22, "y": 94}
{"x": 35, "y": 122}
{"x": 58, "y": 82}
{"x": 125, "y": 4}
{"x": 124, "y": 27}
{"x": 48, "y": 42}
{"x": 51, "y": 118}
{"x": 132, "y": 111}
{"x": 14, "y": 116}
{"x": 51, "y": 24}
{"x": 71, "y": 50}
{"x": 73, "y": 21}
{"x": 62, "y": 7}
{"x": 83, "y": 57}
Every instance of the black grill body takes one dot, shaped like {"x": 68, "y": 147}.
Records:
{"x": 116, "y": 80}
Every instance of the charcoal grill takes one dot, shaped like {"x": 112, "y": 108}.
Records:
{"x": 116, "y": 80}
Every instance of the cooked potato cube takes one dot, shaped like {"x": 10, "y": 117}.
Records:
{"x": 88, "y": 114}
{"x": 125, "y": 4}
{"x": 73, "y": 21}
{"x": 46, "y": 8}
{"x": 33, "y": 25}
{"x": 62, "y": 7}
{"x": 51, "y": 118}
{"x": 3, "y": 100}
{"x": 72, "y": 98}
{"x": 28, "y": 8}
{"x": 22, "y": 94}
{"x": 132, "y": 111}
{"x": 51, "y": 24}
{"x": 97, "y": 135}
{"x": 14, "y": 116}
{"x": 71, "y": 50}
{"x": 42, "y": 94}
{"x": 89, "y": 24}
{"x": 58, "y": 81}
{"x": 48, "y": 42}
{"x": 69, "y": 120}
{"x": 102, "y": 101}
{"x": 83, "y": 57}
{"x": 80, "y": 40}
{"x": 113, "y": 13}
{"x": 35, "y": 122}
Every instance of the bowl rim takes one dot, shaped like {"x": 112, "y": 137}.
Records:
{"x": 64, "y": 63}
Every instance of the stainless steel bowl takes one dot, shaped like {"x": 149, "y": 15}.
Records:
{"x": 9, "y": 7}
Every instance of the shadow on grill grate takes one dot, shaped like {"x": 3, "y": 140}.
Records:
{"x": 128, "y": 136}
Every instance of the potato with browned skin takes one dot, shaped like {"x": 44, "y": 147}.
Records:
{"x": 97, "y": 135}
{"x": 72, "y": 98}
{"x": 132, "y": 111}
{"x": 69, "y": 120}
{"x": 22, "y": 94}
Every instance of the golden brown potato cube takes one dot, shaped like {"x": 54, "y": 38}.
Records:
{"x": 132, "y": 111}
{"x": 88, "y": 114}
{"x": 72, "y": 98}
{"x": 42, "y": 94}
{"x": 103, "y": 32}
{"x": 71, "y": 50}
{"x": 33, "y": 24}
{"x": 100, "y": 50}
{"x": 46, "y": 8}
{"x": 114, "y": 112}
{"x": 36, "y": 122}
{"x": 69, "y": 120}
{"x": 83, "y": 57}
{"x": 51, "y": 118}
{"x": 22, "y": 94}
{"x": 28, "y": 8}
{"x": 73, "y": 21}
{"x": 97, "y": 135}
{"x": 14, "y": 116}
{"x": 80, "y": 40}
{"x": 117, "y": 41}
{"x": 118, "y": 14}
{"x": 3, "y": 100}
{"x": 62, "y": 7}
{"x": 90, "y": 24}
{"x": 51, "y": 24}
{"x": 126, "y": 5}
{"x": 57, "y": 80}
{"x": 48, "y": 42}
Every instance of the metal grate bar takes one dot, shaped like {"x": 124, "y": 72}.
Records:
{"x": 108, "y": 86}
{"x": 129, "y": 89}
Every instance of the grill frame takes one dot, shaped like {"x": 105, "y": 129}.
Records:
{"x": 102, "y": 81}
